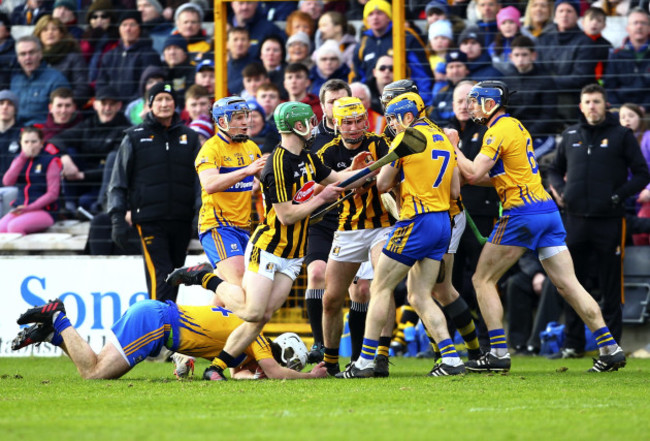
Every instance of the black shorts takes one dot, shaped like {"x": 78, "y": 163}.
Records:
{"x": 319, "y": 243}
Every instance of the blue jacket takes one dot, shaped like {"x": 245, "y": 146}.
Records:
{"x": 370, "y": 48}
{"x": 7, "y": 61}
{"x": 482, "y": 69}
{"x": 34, "y": 92}
{"x": 627, "y": 78}
{"x": 121, "y": 68}
{"x": 317, "y": 79}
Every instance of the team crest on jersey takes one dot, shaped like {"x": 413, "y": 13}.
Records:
{"x": 183, "y": 139}
{"x": 489, "y": 140}
{"x": 234, "y": 247}
{"x": 604, "y": 143}
{"x": 252, "y": 156}
{"x": 475, "y": 137}
{"x": 270, "y": 267}
{"x": 336, "y": 251}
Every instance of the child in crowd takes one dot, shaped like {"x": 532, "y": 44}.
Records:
{"x": 632, "y": 116}
{"x": 508, "y": 24}
{"x": 254, "y": 76}
{"x": 37, "y": 174}
{"x": 440, "y": 40}
{"x": 593, "y": 23}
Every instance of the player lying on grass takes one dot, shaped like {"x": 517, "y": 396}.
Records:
{"x": 148, "y": 325}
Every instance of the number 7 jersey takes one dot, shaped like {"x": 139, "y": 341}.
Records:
{"x": 515, "y": 174}
{"x": 425, "y": 177}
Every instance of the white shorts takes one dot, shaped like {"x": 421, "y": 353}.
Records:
{"x": 355, "y": 245}
{"x": 460, "y": 221}
{"x": 267, "y": 264}
{"x": 365, "y": 272}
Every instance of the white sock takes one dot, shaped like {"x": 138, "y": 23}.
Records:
{"x": 452, "y": 361}
{"x": 55, "y": 316}
{"x": 499, "y": 352}
{"x": 608, "y": 350}
{"x": 363, "y": 363}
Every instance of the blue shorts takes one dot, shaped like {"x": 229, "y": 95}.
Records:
{"x": 532, "y": 231}
{"x": 224, "y": 242}
{"x": 425, "y": 236}
{"x": 142, "y": 330}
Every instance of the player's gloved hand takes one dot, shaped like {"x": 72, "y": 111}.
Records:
{"x": 120, "y": 230}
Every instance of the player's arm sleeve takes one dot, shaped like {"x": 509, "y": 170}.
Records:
{"x": 207, "y": 158}
{"x": 322, "y": 171}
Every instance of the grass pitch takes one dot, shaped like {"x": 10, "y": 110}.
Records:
{"x": 44, "y": 399}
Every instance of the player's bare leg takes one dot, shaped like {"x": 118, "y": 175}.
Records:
{"x": 108, "y": 364}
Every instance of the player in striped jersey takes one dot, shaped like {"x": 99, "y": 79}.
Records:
{"x": 363, "y": 225}
{"x": 149, "y": 325}
{"x": 428, "y": 180}
{"x": 227, "y": 165}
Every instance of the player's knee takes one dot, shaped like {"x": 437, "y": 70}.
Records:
{"x": 316, "y": 274}
{"x": 332, "y": 303}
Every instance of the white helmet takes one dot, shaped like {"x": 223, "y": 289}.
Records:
{"x": 293, "y": 351}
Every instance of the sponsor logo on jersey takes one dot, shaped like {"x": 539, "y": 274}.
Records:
{"x": 305, "y": 193}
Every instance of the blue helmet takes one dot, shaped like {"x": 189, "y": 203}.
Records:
{"x": 408, "y": 102}
{"x": 496, "y": 91}
{"x": 226, "y": 107}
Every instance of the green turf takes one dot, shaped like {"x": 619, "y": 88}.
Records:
{"x": 44, "y": 399}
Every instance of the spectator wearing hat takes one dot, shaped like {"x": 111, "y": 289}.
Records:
{"x": 440, "y": 40}
{"x": 535, "y": 102}
{"x": 154, "y": 23}
{"x": 61, "y": 51}
{"x": 440, "y": 10}
{"x": 622, "y": 79}
{"x": 9, "y": 145}
{"x": 122, "y": 66}
{"x": 136, "y": 110}
{"x": 258, "y": 127}
{"x": 238, "y": 46}
{"x": 251, "y": 17}
{"x": 333, "y": 25}
{"x": 66, "y": 11}
{"x": 84, "y": 149}
{"x": 204, "y": 75}
{"x": 30, "y": 12}
{"x": 188, "y": 19}
{"x": 569, "y": 55}
{"x": 101, "y": 35}
{"x": 203, "y": 127}
{"x": 328, "y": 65}
{"x": 299, "y": 49}
{"x": 479, "y": 62}
{"x": 378, "y": 41}
{"x": 7, "y": 51}
{"x": 34, "y": 81}
{"x": 180, "y": 73}
{"x": 297, "y": 84}
{"x": 154, "y": 187}
{"x": 456, "y": 70}
{"x": 508, "y": 24}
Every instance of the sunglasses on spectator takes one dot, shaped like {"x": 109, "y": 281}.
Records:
{"x": 383, "y": 68}
{"x": 96, "y": 16}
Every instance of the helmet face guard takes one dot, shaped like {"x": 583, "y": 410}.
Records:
{"x": 225, "y": 110}
{"x": 293, "y": 352}
{"x": 286, "y": 115}
{"x": 350, "y": 109}
{"x": 497, "y": 91}
{"x": 395, "y": 89}
{"x": 406, "y": 103}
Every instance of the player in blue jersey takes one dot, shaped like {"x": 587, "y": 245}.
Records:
{"x": 530, "y": 220}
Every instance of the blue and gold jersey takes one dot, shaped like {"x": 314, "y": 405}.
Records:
{"x": 232, "y": 207}
{"x": 515, "y": 175}
{"x": 425, "y": 178}
{"x": 202, "y": 331}
{"x": 287, "y": 177}
{"x": 366, "y": 210}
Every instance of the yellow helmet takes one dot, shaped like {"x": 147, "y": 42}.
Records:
{"x": 345, "y": 108}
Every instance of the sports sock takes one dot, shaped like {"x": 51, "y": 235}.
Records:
{"x": 409, "y": 318}
{"x": 55, "y": 339}
{"x": 383, "y": 346}
{"x": 498, "y": 345}
{"x": 368, "y": 350}
{"x": 605, "y": 341}
{"x": 459, "y": 313}
{"x": 331, "y": 356}
{"x": 314, "y": 300}
{"x": 448, "y": 353}
{"x": 223, "y": 360}
{"x": 357, "y": 324}
{"x": 60, "y": 321}
{"x": 210, "y": 281}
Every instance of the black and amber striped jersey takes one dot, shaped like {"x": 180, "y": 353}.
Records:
{"x": 287, "y": 177}
{"x": 365, "y": 211}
